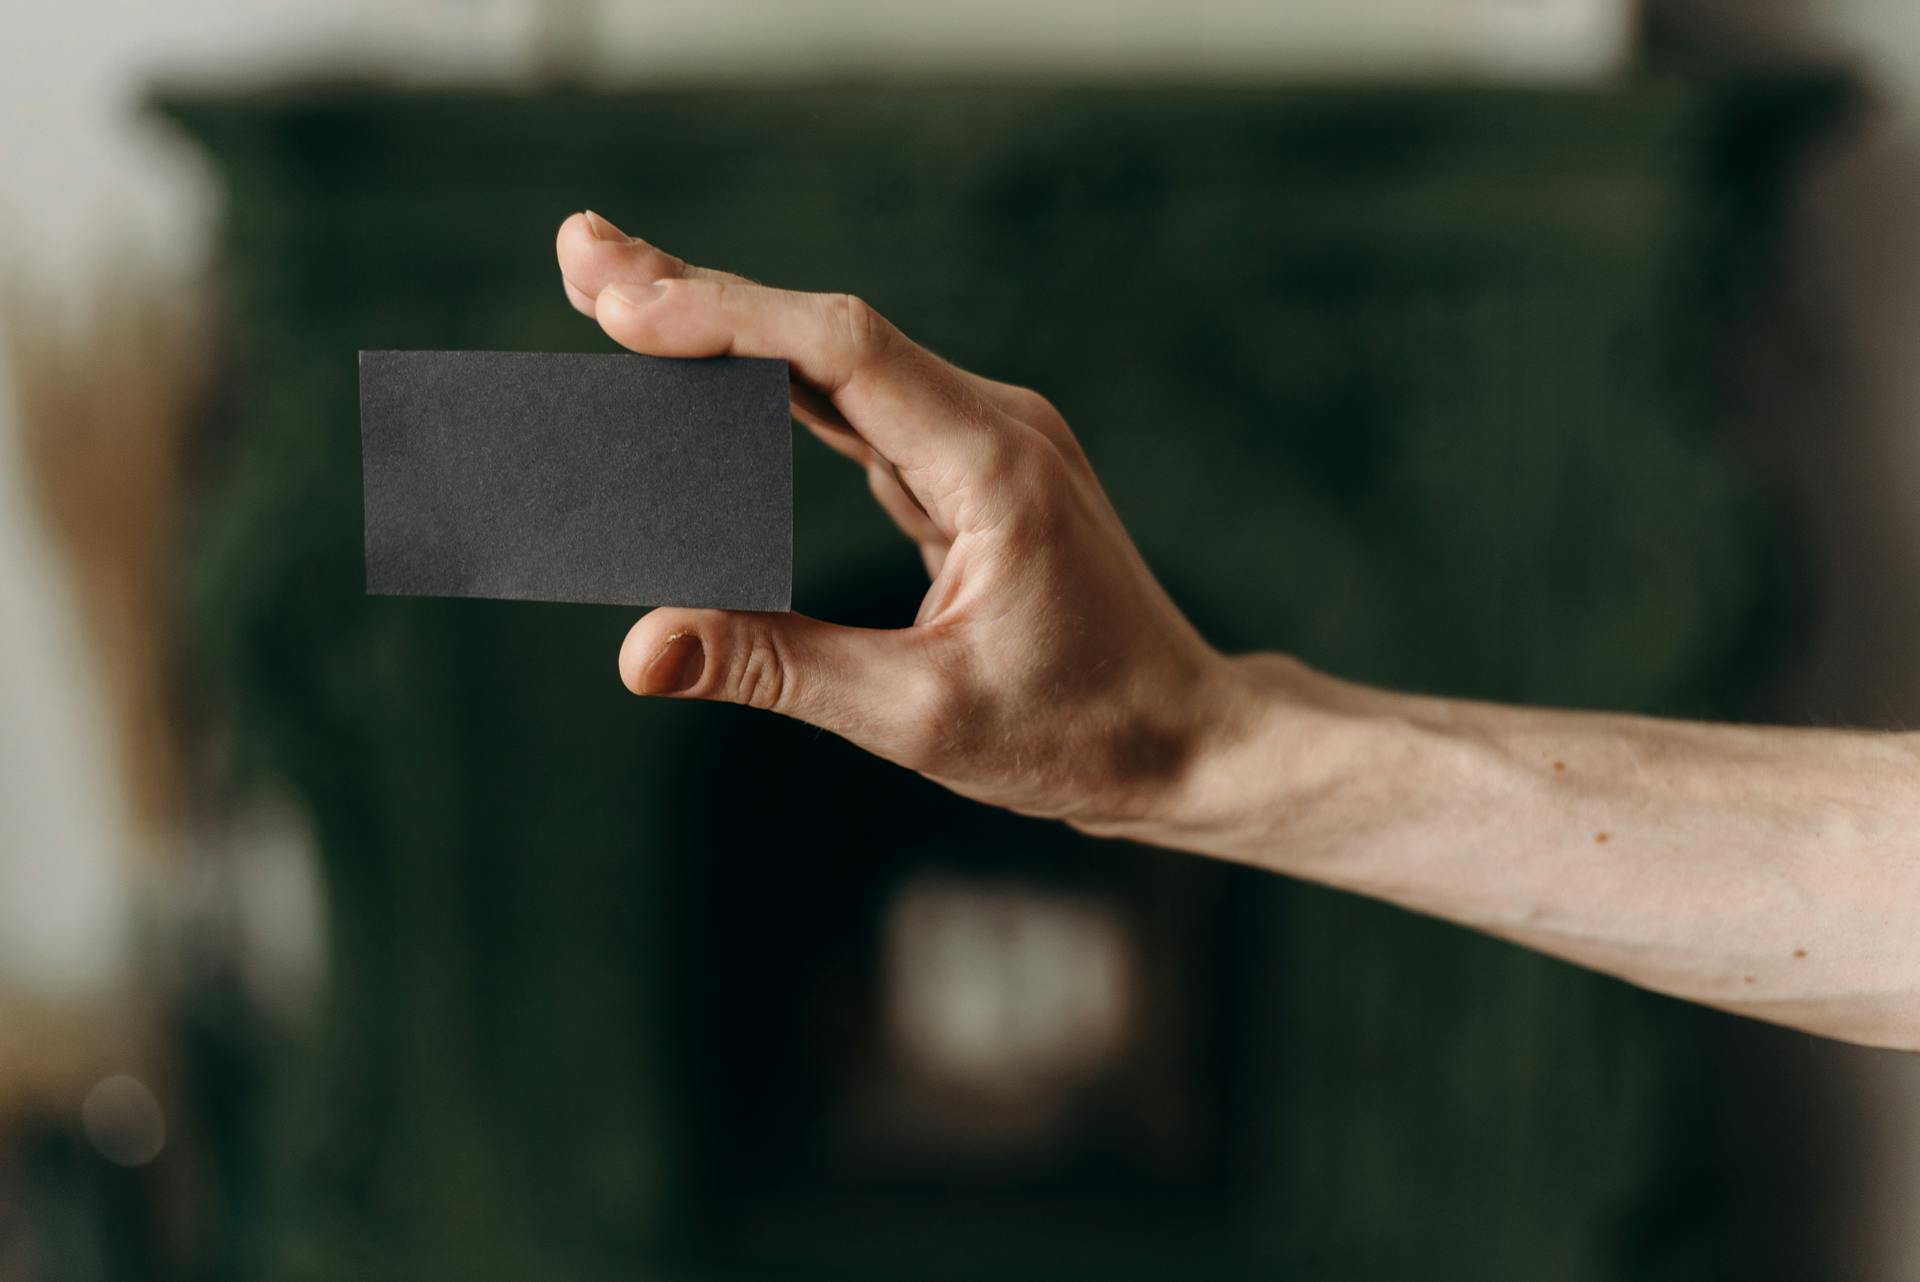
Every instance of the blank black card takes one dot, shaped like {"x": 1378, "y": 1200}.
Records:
{"x": 626, "y": 480}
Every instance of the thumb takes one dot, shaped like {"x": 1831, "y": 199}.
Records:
{"x": 856, "y": 682}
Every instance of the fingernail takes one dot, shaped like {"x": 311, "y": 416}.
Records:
{"x": 677, "y": 668}
{"x": 634, "y": 295}
{"x": 602, "y": 229}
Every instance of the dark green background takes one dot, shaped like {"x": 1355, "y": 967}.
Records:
{"x": 1418, "y": 383}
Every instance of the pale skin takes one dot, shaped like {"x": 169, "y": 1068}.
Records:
{"x": 1770, "y": 872}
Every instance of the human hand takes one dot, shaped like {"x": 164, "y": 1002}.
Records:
{"x": 1046, "y": 670}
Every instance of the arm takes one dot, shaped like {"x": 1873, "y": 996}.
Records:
{"x": 1765, "y": 871}
{"x": 1771, "y": 872}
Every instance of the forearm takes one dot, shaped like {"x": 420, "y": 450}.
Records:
{"x": 1768, "y": 871}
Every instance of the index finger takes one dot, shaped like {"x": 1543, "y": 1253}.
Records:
{"x": 950, "y": 444}
{"x": 593, "y": 254}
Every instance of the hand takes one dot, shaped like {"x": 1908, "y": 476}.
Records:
{"x": 1046, "y": 670}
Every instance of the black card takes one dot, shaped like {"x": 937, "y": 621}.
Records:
{"x": 626, "y": 480}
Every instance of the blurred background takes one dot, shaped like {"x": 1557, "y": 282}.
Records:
{"x": 1538, "y": 350}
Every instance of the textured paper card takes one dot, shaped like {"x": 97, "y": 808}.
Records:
{"x": 620, "y": 479}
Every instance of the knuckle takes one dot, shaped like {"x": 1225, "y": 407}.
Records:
{"x": 866, "y": 332}
{"x": 1044, "y": 417}
{"x": 1036, "y": 408}
{"x": 1043, "y": 501}
{"x": 759, "y": 676}
{"x": 1043, "y": 469}
{"x": 1004, "y": 451}
{"x": 1047, "y": 465}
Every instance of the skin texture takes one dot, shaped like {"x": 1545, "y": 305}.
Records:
{"x": 1770, "y": 872}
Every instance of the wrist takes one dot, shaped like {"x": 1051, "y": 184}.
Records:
{"x": 1278, "y": 746}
